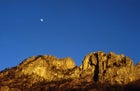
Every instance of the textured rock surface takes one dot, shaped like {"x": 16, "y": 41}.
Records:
{"x": 48, "y": 68}
{"x": 137, "y": 70}
{"x": 49, "y": 72}
{"x": 112, "y": 68}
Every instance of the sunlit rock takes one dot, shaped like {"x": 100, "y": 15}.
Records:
{"x": 52, "y": 72}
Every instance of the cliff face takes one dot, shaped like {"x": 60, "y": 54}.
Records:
{"x": 49, "y": 71}
{"x": 137, "y": 71}
{"x": 49, "y": 68}
{"x": 112, "y": 68}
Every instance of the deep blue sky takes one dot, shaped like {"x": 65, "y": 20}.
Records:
{"x": 71, "y": 28}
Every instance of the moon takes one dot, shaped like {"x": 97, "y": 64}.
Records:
{"x": 41, "y": 19}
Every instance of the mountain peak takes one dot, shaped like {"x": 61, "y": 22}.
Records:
{"x": 96, "y": 67}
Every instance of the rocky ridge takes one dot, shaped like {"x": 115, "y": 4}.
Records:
{"x": 46, "y": 72}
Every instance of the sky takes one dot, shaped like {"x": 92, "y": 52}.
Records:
{"x": 70, "y": 28}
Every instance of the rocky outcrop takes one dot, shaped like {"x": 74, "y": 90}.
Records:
{"x": 112, "y": 68}
{"x": 48, "y": 68}
{"x": 50, "y": 71}
{"x": 137, "y": 71}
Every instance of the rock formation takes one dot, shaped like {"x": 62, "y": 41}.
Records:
{"x": 112, "y": 68}
{"x": 137, "y": 70}
{"x": 51, "y": 72}
{"x": 49, "y": 68}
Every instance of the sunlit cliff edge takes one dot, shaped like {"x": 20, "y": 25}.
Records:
{"x": 99, "y": 71}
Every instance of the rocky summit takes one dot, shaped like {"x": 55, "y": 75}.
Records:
{"x": 98, "y": 72}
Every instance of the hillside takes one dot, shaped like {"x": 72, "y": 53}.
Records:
{"x": 98, "y": 72}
